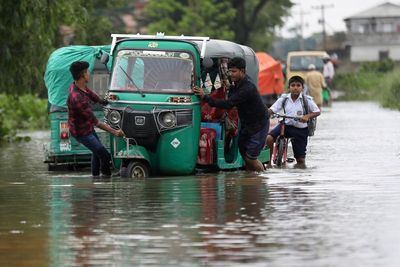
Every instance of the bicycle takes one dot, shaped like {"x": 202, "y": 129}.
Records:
{"x": 279, "y": 155}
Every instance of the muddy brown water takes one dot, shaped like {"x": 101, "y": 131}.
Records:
{"x": 343, "y": 210}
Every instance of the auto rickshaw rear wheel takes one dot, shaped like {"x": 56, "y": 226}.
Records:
{"x": 51, "y": 167}
{"x": 137, "y": 170}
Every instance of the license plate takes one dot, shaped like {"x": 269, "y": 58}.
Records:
{"x": 65, "y": 146}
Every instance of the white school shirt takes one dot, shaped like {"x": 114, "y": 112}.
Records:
{"x": 294, "y": 109}
{"x": 329, "y": 70}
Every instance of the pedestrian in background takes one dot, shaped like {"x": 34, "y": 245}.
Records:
{"x": 315, "y": 83}
{"x": 329, "y": 71}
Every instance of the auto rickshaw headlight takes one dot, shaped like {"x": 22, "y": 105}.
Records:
{"x": 114, "y": 117}
{"x": 168, "y": 119}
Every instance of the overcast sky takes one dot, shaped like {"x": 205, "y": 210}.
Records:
{"x": 335, "y": 12}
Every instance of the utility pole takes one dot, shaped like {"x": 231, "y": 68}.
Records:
{"x": 322, "y": 7}
{"x": 302, "y": 13}
{"x": 299, "y": 28}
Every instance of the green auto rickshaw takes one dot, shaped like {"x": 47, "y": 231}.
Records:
{"x": 63, "y": 149}
{"x": 152, "y": 101}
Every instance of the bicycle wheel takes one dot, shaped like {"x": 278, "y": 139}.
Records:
{"x": 280, "y": 151}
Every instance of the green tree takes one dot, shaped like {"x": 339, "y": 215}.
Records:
{"x": 255, "y": 21}
{"x": 96, "y": 26}
{"x": 29, "y": 30}
{"x": 199, "y": 18}
{"x": 249, "y": 22}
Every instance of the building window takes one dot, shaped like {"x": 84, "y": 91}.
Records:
{"x": 363, "y": 28}
{"x": 383, "y": 55}
{"x": 387, "y": 27}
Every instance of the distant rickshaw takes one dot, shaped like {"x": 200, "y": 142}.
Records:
{"x": 63, "y": 149}
{"x": 152, "y": 101}
{"x": 298, "y": 62}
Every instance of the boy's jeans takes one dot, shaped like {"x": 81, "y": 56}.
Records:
{"x": 101, "y": 158}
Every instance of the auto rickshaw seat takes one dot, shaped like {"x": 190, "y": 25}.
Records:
{"x": 214, "y": 125}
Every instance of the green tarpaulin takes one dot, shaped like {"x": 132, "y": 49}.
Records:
{"x": 58, "y": 78}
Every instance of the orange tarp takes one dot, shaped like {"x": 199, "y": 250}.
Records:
{"x": 270, "y": 76}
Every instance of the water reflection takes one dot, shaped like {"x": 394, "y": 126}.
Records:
{"x": 163, "y": 220}
{"x": 231, "y": 208}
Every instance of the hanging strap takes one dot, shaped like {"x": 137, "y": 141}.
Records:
{"x": 284, "y": 104}
{"x": 305, "y": 105}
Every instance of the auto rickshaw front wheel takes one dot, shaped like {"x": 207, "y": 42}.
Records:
{"x": 136, "y": 170}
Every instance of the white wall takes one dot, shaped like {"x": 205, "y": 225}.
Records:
{"x": 371, "y": 53}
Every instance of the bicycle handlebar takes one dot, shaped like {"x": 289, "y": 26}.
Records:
{"x": 276, "y": 115}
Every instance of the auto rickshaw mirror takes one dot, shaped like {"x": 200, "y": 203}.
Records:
{"x": 104, "y": 58}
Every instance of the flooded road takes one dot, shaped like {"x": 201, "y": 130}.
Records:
{"x": 343, "y": 210}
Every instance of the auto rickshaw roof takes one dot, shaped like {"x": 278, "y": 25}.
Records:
{"x": 221, "y": 48}
{"x": 214, "y": 48}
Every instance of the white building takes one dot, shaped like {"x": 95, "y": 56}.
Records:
{"x": 374, "y": 34}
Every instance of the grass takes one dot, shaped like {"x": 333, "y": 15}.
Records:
{"x": 373, "y": 82}
{"x": 20, "y": 113}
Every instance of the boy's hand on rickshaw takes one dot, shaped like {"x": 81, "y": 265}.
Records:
{"x": 104, "y": 102}
{"x": 119, "y": 133}
{"x": 198, "y": 91}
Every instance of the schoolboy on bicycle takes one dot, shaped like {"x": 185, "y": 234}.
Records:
{"x": 292, "y": 104}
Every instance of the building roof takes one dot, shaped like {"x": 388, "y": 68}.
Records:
{"x": 385, "y": 10}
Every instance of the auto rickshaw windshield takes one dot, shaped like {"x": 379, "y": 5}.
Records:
{"x": 152, "y": 71}
{"x": 301, "y": 63}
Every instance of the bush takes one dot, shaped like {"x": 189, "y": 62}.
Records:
{"x": 391, "y": 94}
{"x": 383, "y": 87}
{"x": 359, "y": 85}
{"x": 383, "y": 66}
{"x": 26, "y": 112}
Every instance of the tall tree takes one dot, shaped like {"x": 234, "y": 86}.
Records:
{"x": 249, "y": 22}
{"x": 255, "y": 20}
{"x": 29, "y": 30}
{"x": 190, "y": 17}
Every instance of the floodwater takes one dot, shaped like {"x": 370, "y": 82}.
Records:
{"x": 343, "y": 210}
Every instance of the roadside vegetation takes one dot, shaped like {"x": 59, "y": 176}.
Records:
{"x": 25, "y": 112}
{"x": 374, "y": 81}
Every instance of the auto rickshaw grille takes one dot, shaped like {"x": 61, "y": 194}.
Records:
{"x": 184, "y": 117}
{"x": 141, "y": 127}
